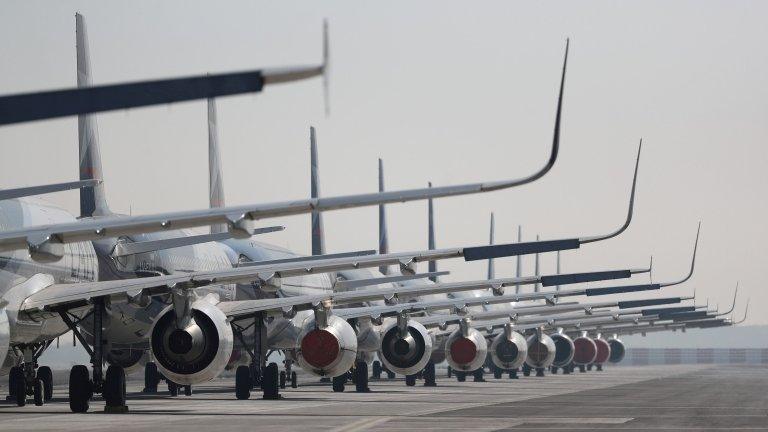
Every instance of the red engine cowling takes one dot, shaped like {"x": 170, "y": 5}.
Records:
{"x": 585, "y": 351}
{"x": 466, "y": 352}
{"x": 603, "y": 351}
{"x": 329, "y": 350}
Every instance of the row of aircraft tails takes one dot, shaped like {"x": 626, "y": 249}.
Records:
{"x": 149, "y": 293}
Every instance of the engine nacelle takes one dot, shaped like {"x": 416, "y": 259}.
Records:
{"x": 618, "y": 350}
{"x": 603, "y": 351}
{"x": 585, "y": 351}
{"x": 407, "y": 351}
{"x": 466, "y": 352}
{"x": 131, "y": 360}
{"x": 564, "y": 349}
{"x": 326, "y": 351}
{"x": 509, "y": 350}
{"x": 197, "y": 353}
{"x": 541, "y": 351}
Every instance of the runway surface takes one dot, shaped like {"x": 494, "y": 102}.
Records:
{"x": 674, "y": 397}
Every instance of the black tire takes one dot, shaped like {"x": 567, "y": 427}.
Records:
{"x": 390, "y": 374}
{"x": 151, "y": 378}
{"x": 243, "y": 382}
{"x": 339, "y": 382}
{"x": 554, "y": 370}
{"x": 461, "y": 376}
{"x": 173, "y": 388}
{"x": 294, "y": 380}
{"x": 376, "y": 369}
{"x": 283, "y": 378}
{"x": 114, "y": 386}
{"x": 18, "y": 385}
{"x": 497, "y": 373}
{"x": 46, "y": 376}
{"x": 270, "y": 382}
{"x": 410, "y": 380}
{"x": 188, "y": 390}
{"x": 450, "y": 371}
{"x": 80, "y": 390}
{"x": 39, "y": 392}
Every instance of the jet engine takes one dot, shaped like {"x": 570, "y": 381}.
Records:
{"x": 406, "y": 346}
{"x": 584, "y": 351}
{"x": 196, "y": 353}
{"x": 618, "y": 350}
{"x": 328, "y": 349}
{"x": 509, "y": 349}
{"x": 603, "y": 351}
{"x": 541, "y": 351}
{"x": 564, "y": 350}
{"x": 466, "y": 349}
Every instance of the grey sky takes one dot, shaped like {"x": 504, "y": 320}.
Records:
{"x": 444, "y": 92}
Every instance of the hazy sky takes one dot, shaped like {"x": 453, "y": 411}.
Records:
{"x": 446, "y": 92}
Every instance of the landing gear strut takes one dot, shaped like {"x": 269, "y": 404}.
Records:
{"x": 81, "y": 386}
{"x": 361, "y": 377}
{"x": 27, "y": 379}
{"x": 430, "y": 377}
{"x": 257, "y": 374}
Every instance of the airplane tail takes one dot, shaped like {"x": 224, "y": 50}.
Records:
{"x": 92, "y": 199}
{"x": 383, "y": 238}
{"x": 431, "y": 236}
{"x": 215, "y": 177}
{"x": 318, "y": 237}
{"x": 519, "y": 267}
{"x": 491, "y": 268}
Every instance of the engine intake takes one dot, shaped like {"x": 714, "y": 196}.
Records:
{"x": 466, "y": 353}
{"x": 541, "y": 351}
{"x": 509, "y": 350}
{"x": 405, "y": 352}
{"x": 603, "y": 351}
{"x": 564, "y": 350}
{"x": 328, "y": 350}
{"x": 618, "y": 350}
{"x": 585, "y": 351}
{"x": 196, "y": 353}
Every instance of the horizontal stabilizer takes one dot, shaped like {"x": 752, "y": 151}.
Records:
{"x": 345, "y": 285}
{"x": 575, "y": 278}
{"x": 44, "y": 189}
{"x": 513, "y": 249}
{"x": 648, "y": 302}
{"x": 620, "y": 289}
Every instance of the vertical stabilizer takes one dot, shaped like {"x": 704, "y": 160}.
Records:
{"x": 431, "y": 236}
{"x": 215, "y": 178}
{"x": 537, "y": 287}
{"x": 491, "y": 268}
{"x": 383, "y": 239}
{"x": 92, "y": 199}
{"x": 318, "y": 238}
{"x": 519, "y": 267}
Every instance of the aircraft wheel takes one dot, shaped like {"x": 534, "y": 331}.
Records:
{"x": 151, "y": 378}
{"x": 390, "y": 374}
{"x": 294, "y": 381}
{"x": 283, "y": 378}
{"x": 114, "y": 386}
{"x": 450, "y": 371}
{"x": 497, "y": 373}
{"x": 18, "y": 386}
{"x": 173, "y": 388}
{"x": 338, "y": 383}
{"x": 270, "y": 382}
{"x": 46, "y": 376}
{"x": 39, "y": 392}
{"x": 188, "y": 390}
{"x": 461, "y": 376}
{"x": 80, "y": 391}
{"x": 243, "y": 382}
{"x": 410, "y": 380}
{"x": 376, "y": 369}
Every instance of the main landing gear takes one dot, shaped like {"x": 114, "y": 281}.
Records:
{"x": 82, "y": 386}
{"x": 255, "y": 374}
{"x": 430, "y": 376}
{"x": 27, "y": 379}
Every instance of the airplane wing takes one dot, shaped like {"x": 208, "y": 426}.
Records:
{"x": 45, "y": 240}
{"x": 45, "y": 189}
{"x": 69, "y": 295}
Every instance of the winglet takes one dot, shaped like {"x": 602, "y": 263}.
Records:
{"x": 650, "y": 270}
{"x": 631, "y": 206}
{"x": 693, "y": 262}
{"x": 733, "y": 305}
{"x": 745, "y": 314}
{"x": 326, "y": 68}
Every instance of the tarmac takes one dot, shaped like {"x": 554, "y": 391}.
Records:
{"x": 669, "y": 397}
